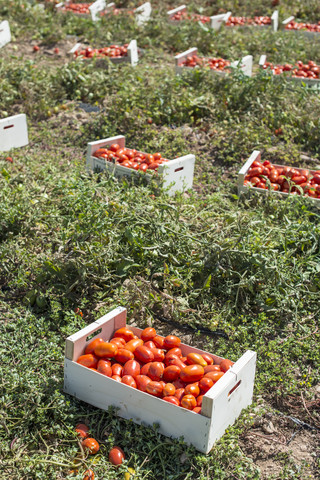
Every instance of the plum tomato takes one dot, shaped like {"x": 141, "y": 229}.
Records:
{"x": 171, "y": 341}
{"x": 91, "y": 444}
{"x": 212, "y": 368}
{"x": 196, "y": 409}
{"x": 175, "y": 351}
{"x": 104, "y": 367}
{"x": 208, "y": 358}
{"x": 88, "y": 360}
{"x": 148, "y": 334}
{"x": 158, "y": 341}
{"x": 117, "y": 378}
{"x": 154, "y": 388}
{"x": 133, "y": 344}
{"x": 158, "y": 354}
{"x": 123, "y": 356}
{"x": 92, "y": 345}
{"x": 171, "y": 373}
{"x": 199, "y": 400}
{"x": 142, "y": 382}
{"x": 114, "y": 147}
{"x": 172, "y": 399}
{"x": 129, "y": 380}
{"x": 117, "y": 369}
{"x": 106, "y": 350}
{"x": 124, "y": 333}
{"x": 179, "y": 393}
{"x": 225, "y": 365}
{"x": 169, "y": 390}
{"x": 215, "y": 376}
{"x": 174, "y": 360}
{"x": 192, "y": 373}
{"x": 120, "y": 342}
{"x": 150, "y": 344}
{"x": 156, "y": 370}
{"x": 205, "y": 384}
{"x": 116, "y": 456}
{"x": 82, "y": 430}
{"x": 143, "y": 354}
{"x": 145, "y": 368}
{"x": 189, "y": 402}
{"x": 196, "y": 358}
{"x": 192, "y": 389}
{"x": 132, "y": 367}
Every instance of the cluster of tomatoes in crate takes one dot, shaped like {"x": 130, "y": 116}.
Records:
{"x": 241, "y": 21}
{"x": 301, "y": 70}
{"x": 113, "y": 51}
{"x": 284, "y": 179}
{"x": 130, "y": 158}
{"x": 311, "y": 27}
{"x": 155, "y": 365}
{"x": 183, "y": 15}
{"x": 82, "y": 8}
{"x": 212, "y": 63}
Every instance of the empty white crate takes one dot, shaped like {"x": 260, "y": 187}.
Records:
{"x": 221, "y": 405}
{"x": 245, "y": 64}
{"x": 13, "y": 132}
{"x": 175, "y": 175}
{"x": 256, "y": 156}
{"x": 5, "y": 34}
{"x": 132, "y": 56}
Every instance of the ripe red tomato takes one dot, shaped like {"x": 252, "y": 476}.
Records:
{"x": 205, "y": 384}
{"x": 144, "y": 354}
{"x": 215, "y": 376}
{"x": 92, "y": 345}
{"x": 124, "y": 333}
{"x": 179, "y": 394}
{"x": 179, "y": 383}
{"x": 192, "y": 373}
{"x": 117, "y": 369}
{"x": 199, "y": 400}
{"x": 145, "y": 368}
{"x": 82, "y": 430}
{"x": 91, "y": 444}
{"x": 148, "y": 334}
{"x": 158, "y": 341}
{"x": 212, "y": 368}
{"x": 142, "y": 382}
{"x": 114, "y": 147}
{"x": 129, "y": 380}
{"x": 169, "y": 389}
{"x": 174, "y": 351}
{"x": 88, "y": 475}
{"x": 174, "y": 360}
{"x": 196, "y": 358}
{"x": 120, "y": 342}
{"x": 192, "y": 389}
{"x": 171, "y": 373}
{"x": 189, "y": 402}
{"x": 171, "y": 341}
{"x": 104, "y": 367}
{"x": 154, "y": 388}
{"x": 172, "y": 399}
{"x": 156, "y": 370}
{"x": 150, "y": 344}
{"x": 207, "y": 358}
{"x": 132, "y": 367}
{"x": 196, "y": 409}
{"x": 89, "y": 360}
{"x": 123, "y": 356}
{"x": 133, "y": 344}
{"x": 116, "y": 456}
{"x": 225, "y": 365}
{"x": 106, "y": 350}
{"x": 117, "y": 378}
{"x": 158, "y": 354}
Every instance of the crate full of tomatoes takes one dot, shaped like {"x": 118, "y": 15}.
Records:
{"x": 153, "y": 379}
{"x": 112, "y": 155}
{"x": 307, "y": 28}
{"x": 263, "y": 176}
{"x": 308, "y": 73}
{"x": 179, "y": 14}
{"x": 115, "y": 53}
{"x": 257, "y": 21}
{"x": 220, "y": 66}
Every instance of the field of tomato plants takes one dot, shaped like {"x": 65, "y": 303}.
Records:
{"x": 219, "y": 271}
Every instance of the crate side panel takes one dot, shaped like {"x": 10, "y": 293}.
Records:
{"x": 13, "y": 132}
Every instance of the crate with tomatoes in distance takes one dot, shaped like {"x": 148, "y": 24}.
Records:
{"x": 307, "y": 73}
{"x": 115, "y": 53}
{"x": 152, "y": 379}
{"x": 257, "y": 21}
{"x": 111, "y": 154}
{"x": 263, "y": 176}
{"x": 92, "y": 10}
{"x": 179, "y": 14}
{"x": 307, "y": 28}
{"x": 190, "y": 59}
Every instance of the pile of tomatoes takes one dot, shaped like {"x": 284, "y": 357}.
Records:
{"x": 130, "y": 158}
{"x": 241, "y": 21}
{"x": 283, "y": 179}
{"x": 155, "y": 365}
{"x": 300, "y": 69}
{"x": 82, "y": 8}
{"x": 114, "y": 51}
{"x": 311, "y": 27}
{"x": 183, "y": 15}
{"x": 212, "y": 63}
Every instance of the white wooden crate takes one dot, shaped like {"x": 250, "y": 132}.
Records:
{"x": 274, "y": 23}
{"x": 307, "y": 33}
{"x": 132, "y": 57}
{"x": 215, "y": 21}
{"x": 310, "y": 82}
{"x": 256, "y": 156}
{"x": 96, "y": 9}
{"x": 175, "y": 175}
{"x": 5, "y": 34}
{"x": 245, "y": 64}
{"x": 143, "y": 14}
{"x": 221, "y": 405}
{"x": 13, "y": 132}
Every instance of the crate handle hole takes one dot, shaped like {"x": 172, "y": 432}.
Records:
{"x": 8, "y": 126}
{"x": 178, "y": 169}
{"x": 89, "y": 337}
{"x": 234, "y": 388}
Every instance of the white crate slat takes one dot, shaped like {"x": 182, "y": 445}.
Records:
{"x": 13, "y": 132}
{"x": 256, "y": 155}
{"x": 143, "y": 14}
{"x": 5, "y": 33}
{"x": 245, "y": 64}
{"x": 96, "y": 8}
{"x": 217, "y": 20}
{"x": 221, "y": 405}
{"x": 176, "y": 175}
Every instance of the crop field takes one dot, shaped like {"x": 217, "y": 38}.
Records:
{"x": 224, "y": 272}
